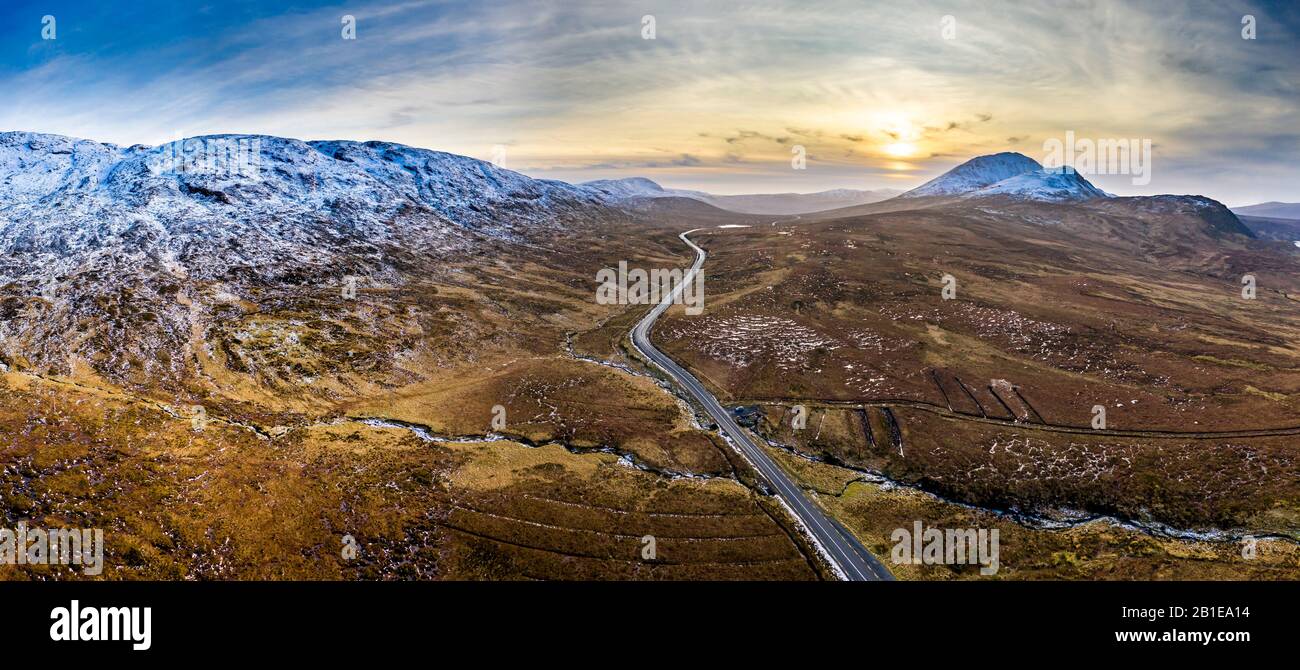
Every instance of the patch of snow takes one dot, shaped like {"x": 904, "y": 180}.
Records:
{"x": 1044, "y": 185}
{"x": 1009, "y": 174}
{"x": 975, "y": 174}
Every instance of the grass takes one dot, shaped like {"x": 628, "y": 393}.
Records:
{"x": 225, "y": 504}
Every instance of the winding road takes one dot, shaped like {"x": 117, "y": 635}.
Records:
{"x": 849, "y": 557}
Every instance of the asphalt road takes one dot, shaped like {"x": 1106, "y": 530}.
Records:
{"x": 849, "y": 556}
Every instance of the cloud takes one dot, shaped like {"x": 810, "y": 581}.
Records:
{"x": 745, "y": 135}
{"x": 719, "y": 94}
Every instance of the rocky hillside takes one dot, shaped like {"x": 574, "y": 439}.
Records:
{"x": 120, "y": 256}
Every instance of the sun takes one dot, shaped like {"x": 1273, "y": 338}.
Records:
{"x": 900, "y": 149}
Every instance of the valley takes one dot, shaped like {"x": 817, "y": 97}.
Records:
{"x": 985, "y": 402}
{"x": 231, "y": 375}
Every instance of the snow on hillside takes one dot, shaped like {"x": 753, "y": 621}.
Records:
{"x": 130, "y": 258}
{"x": 1011, "y": 175}
{"x": 975, "y": 174}
{"x": 634, "y": 187}
{"x": 1210, "y": 216}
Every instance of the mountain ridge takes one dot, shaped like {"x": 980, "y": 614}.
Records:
{"x": 124, "y": 257}
{"x": 1009, "y": 174}
{"x": 1272, "y": 209}
{"x": 302, "y": 199}
{"x": 976, "y": 173}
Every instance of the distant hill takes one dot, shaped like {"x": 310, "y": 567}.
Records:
{"x": 131, "y": 248}
{"x": 1271, "y": 210}
{"x": 759, "y": 203}
{"x": 975, "y": 174}
{"x": 1008, "y": 174}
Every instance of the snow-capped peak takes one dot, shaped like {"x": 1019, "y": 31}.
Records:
{"x": 1052, "y": 185}
{"x": 631, "y": 187}
{"x": 248, "y": 203}
{"x": 1011, "y": 175}
{"x": 975, "y": 174}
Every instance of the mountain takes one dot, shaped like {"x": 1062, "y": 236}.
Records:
{"x": 1012, "y": 175}
{"x": 130, "y": 257}
{"x": 1192, "y": 220}
{"x": 760, "y": 203}
{"x": 637, "y": 187}
{"x": 1271, "y": 210}
{"x": 1272, "y": 220}
{"x": 975, "y": 174}
{"x": 254, "y": 204}
{"x": 137, "y": 250}
{"x": 1045, "y": 185}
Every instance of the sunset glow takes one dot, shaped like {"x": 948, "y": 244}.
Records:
{"x": 574, "y": 91}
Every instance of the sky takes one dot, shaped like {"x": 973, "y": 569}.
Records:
{"x": 872, "y": 94}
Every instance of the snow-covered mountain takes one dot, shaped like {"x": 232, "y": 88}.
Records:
{"x": 623, "y": 190}
{"x": 1174, "y": 217}
{"x": 124, "y": 255}
{"x": 638, "y": 187}
{"x": 267, "y": 205}
{"x": 975, "y": 174}
{"x": 1008, "y": 174}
